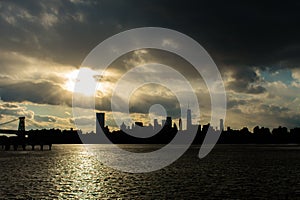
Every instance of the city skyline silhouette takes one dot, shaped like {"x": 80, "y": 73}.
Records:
{"x": 149, "y": 99}
{"x": 158, "y": 134}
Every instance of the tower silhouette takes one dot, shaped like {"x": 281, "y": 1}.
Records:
{"x": 188, "y": 119}
{"x": 180, "y": 124}
{"x": 169, "y": 121}
{"x": 100, "y": 122}
{"x": 156, "y": 125}
{"x": 21, "y": 127}
{"x": 221, "y": 125}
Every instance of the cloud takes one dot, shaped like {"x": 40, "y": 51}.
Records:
{"x": 41, "y": 40}
{"x": 15, "y": 110}
{"x": 143, "y": 100}
{"x": 84, "y": 121}
{"x": 39, "y": 118}
{"x": 235, "y": 34}
{"x": 42, "y": 92}
{"x": 296, "y": 74}
{"x": 245, "y": 80}
{"x": 46, "y": 29}
{"x": 16, "y": 67}
{"x": 49, "y": 20}
{"x": 234, "y": 103}
{"x": 10, "y": 111}
{"x": 273, "y": 109}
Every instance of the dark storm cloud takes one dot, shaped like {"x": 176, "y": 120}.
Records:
{"x": 132, "y": 59}
{"x": 233, "y": 32}
{"x": 63, "y": 31}
{"x": 245, "y": 81}
{"x": 239, "y": 35}
{"x": 248, "y": 33}
{"x": 42, "y": 92}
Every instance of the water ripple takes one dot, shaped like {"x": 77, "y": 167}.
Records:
{"x": 229, "y": 172}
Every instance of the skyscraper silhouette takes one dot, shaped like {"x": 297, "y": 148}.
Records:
{"x": 100, "y": 122}
{"x": 180, "y": 124}
{"x": 221, "y": 125}
{"x": 169, "y": 121}
{"x": 188, "y": 119}
{"x": 156, "y": 126}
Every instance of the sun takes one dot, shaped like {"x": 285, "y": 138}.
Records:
{"x": 83, "y": 81}
{"x": 71, "y": 79}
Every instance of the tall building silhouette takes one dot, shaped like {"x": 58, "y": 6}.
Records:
{"x": 169, "y": 121}
{"x": 221, "y": 125}
{"x": 156, "y": 125}
{"x": 189, "y": 119}
{"x": 100, "y": 122}
{"x": 180, "y": 124}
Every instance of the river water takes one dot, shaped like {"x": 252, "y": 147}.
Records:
{"x": 228, "y": 172}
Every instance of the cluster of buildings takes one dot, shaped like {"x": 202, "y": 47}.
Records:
{"x": 156, "y": 126}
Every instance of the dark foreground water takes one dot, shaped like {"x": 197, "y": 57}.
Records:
{"x": 228, "y": 172}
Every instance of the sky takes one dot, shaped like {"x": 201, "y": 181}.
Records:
{"x": 255, "y": 45}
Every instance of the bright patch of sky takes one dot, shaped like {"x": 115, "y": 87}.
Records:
{"x": 284, "y": 76}
{"x": 51, "y": 110}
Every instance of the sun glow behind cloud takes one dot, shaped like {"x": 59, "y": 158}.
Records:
{"x": 86, "y": 81}
{"x": 39, "y": 53}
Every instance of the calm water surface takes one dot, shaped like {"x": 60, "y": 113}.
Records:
{"x": 228, "y": 172}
